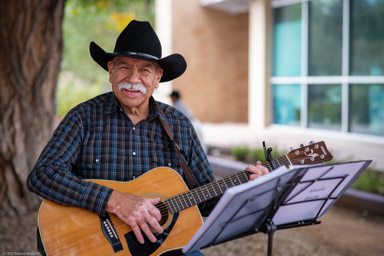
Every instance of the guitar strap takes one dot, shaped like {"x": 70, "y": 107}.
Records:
{"x": 190, "y": 179}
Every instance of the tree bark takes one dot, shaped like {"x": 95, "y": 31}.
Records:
{"x": 30, "y": 56}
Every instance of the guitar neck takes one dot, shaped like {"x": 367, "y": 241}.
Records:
{"x": 213, "y": 189}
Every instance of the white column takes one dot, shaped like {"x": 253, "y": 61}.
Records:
{"x": 258, "y": 92}
{"x": 163, "y": 20}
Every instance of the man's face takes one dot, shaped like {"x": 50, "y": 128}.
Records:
{"x": 144, "y": 75}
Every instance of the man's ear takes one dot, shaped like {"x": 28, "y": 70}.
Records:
{"x": 111, "y": 65}
{"x": 159, "y": 74}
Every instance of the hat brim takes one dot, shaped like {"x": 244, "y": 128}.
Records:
{"x": 173, "y": 65}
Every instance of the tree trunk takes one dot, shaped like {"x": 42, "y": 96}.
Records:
{"x": 30, "y": 56}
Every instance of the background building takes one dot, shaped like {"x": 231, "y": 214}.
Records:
{"x": 305, "y": 66}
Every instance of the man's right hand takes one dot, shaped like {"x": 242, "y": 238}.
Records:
{"x": 138, "y": 212}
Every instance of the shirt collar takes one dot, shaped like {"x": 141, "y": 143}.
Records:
{"x": 112, "y": 105}
{"x": 153, "y": 112}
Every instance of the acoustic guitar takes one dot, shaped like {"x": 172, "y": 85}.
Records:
{"x": 75, "y": 231}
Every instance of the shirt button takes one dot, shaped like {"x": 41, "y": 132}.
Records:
{"x": 134, "y": 128}
{"x": 134, "y": 153}
{"x": 96, "y": 160}
{"x": 169, "y": 164}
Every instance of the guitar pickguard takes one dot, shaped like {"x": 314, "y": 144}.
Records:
{"x": 148, "y": 247}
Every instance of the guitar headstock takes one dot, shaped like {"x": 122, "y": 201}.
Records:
{"x": 313, "y": 153}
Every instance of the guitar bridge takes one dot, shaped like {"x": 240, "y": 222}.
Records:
{"x": 110, "y": 233}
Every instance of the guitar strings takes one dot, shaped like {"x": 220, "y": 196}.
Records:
{"x": 215, "y": 187}
{"x": 207, "y": 192}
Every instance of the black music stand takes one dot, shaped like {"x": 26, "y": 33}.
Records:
{"x": 285, "y": 198}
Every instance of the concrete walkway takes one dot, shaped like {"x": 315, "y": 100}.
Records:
{"x": 344, "y": 147}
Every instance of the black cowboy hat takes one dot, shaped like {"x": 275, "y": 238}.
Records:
{"x": 138, "y": 40}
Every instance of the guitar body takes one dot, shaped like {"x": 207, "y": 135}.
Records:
{"x": 74, "y": 231}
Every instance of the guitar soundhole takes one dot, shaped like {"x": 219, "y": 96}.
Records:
{"x": 164, "y": 212}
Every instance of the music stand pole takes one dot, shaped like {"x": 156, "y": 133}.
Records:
{"x": 269, "y": 228}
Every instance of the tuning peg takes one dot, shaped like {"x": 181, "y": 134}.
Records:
{"x": 311, "y": 142}
{"x": 301, "y": 145}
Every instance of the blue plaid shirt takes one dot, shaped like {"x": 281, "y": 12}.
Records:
{"x": 97, "y": 140}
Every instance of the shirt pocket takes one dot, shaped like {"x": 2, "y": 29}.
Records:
{"x": 98, "y": 161}
{"x": 163, "y": 154}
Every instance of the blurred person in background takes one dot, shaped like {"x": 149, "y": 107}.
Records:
{"x": 180, "y": 105}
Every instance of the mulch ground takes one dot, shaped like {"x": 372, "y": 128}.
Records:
{"x": 342, "y": 232}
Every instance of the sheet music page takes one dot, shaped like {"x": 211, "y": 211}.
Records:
{"x": 318, "y": 190}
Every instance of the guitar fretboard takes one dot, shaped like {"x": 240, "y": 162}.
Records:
{"x": 213, "y": 189}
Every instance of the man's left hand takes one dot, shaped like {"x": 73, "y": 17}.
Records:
{"x": 257, "y": 170}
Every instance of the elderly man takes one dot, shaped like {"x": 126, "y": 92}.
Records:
{"x": 120, "y": 135}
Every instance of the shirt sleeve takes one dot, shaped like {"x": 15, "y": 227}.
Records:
{"x": 52, "y": 177}
{"x": 198, "y": 161}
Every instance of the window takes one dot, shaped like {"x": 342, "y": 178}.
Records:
{"x": 324, "y": 105}
{"x": 287, "y": 41}
{"x": 367, "y": 108}
{"x": 367, "y": 37}
{"x": 325, "y": 38}
{"x": 328, "y": 65}
{"x": 286, "y": 104}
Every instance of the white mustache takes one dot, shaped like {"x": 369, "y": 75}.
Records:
{"x": 128, "y": 86}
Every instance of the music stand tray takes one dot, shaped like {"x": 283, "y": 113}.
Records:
{"x": 285, "y": 198}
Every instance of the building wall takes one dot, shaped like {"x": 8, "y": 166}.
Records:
{"x": 215, "y": 46}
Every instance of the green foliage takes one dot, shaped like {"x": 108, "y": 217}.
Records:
{"x": 371, "y": 181}
{"x": 240, "y": 153}
{"x": 257, "y": 154}
{"x": 100, "y": 21}
{"x": 72, "y": 91}
{"x": 243, "y": 153}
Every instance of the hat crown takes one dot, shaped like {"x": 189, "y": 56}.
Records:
{"x": 138, "y": 37}
{"x": 139, "y": 40}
